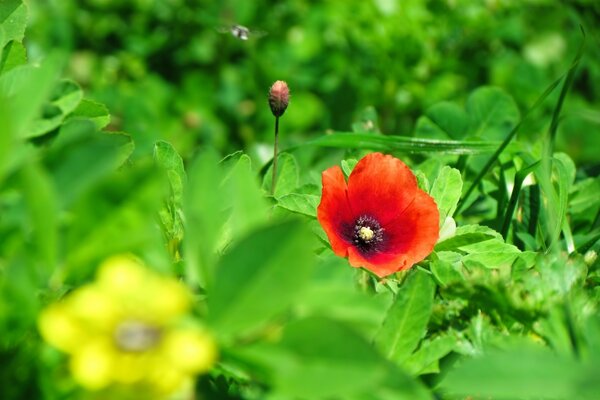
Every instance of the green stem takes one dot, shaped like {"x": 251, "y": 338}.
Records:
{"x": 274, "y": 176}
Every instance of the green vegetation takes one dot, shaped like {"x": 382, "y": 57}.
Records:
{"x": 142, "y": 128}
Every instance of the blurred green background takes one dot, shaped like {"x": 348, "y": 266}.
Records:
{"x": 166, "y": 71}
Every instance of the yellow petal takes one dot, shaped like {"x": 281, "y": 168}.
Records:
{"x": 59, "y": 328}
{"x": 121, "y": 274}
{"x": 165, "y": 379}
{"x": 94, "y": 307}
{"x": 190, "y": 350}
{"x": 169, "y": 300}
{"x": 92, "y": 365}
{"x": 130, "y": 368}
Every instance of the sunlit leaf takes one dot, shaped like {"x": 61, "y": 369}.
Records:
{"x": 259, "y": 277}
{"x": 446, "y": 190}
{"x": 406, "y": 322}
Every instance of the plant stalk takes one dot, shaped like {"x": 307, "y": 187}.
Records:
{"x": 274, "y": 175}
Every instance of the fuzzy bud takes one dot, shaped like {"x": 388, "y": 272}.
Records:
{"x": 279, "y": 97}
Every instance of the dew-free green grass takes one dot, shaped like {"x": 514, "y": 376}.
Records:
{"x": 150, "y": 248}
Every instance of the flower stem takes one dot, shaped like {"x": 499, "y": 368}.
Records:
{"x": 274, "y": 177}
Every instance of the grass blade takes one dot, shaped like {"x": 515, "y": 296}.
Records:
{"x": 568, "y": 79}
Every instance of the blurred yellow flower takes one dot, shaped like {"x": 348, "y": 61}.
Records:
{"x": 129, "y": 328}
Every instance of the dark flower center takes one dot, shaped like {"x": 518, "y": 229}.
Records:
{"x": 368, "y": 233}
{"x": 136, "y": 336}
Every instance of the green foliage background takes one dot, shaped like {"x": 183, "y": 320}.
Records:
{"x": 137, "y": 126}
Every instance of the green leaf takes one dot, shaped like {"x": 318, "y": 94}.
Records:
{"x": 514, "y": 197}
{"x": 168, "y": 158}
{"x": 389, "y": 143}
{"x": 248, "y": 205}
{"x": 407, "y": 318}
{"x": 113, "y": 218}
{"x": 443, "y": 120}
{"x": 584, "y": 195}
{"x": 348, "y": 166}
{"x": 13, "y": 21}
{"x": 259, "y": 278}
{"x": 446, "y": 190}
{"x": 533, "y": 372}
{"x": 422, "y": 181}
{"x": 96, "y": 112}
{"x": 492, "y": 113}
{"x": 287, "y": 176}
{"x": 205, "y": 216}
{"x": 42, "y": 204}
{"x": 65, "y": 99}
{"x": 493, "y": 253}
{"x": 28, "y": 88}
{"x": 462, "y": 239}
{"x": 81, "y": 156}
{"x": 327, "y": 360}
{"x": 13, "y": 55}
{"x": 445, "y": 273}
{"x": 305, "y": 204}
{"x": 430, "y": 352}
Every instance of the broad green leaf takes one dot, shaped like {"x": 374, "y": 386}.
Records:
{"x": 492, "y": 113}
{"x": 113, "y": 218}
{"x": 584, "y": 195}
{"x": 81, "y": 156}
{"x": 287, "y": 176}
{"x": 446, "y": 190}
{"x": 205, "y": 214}
{"x": 13, "y": 21}
{"x": 248, "y": 206}
{"x": 327, "y": 360}
{"x": 443, "y": 120}
{"x": 13, "y": 55}
{"x": 493, "y": 253}
{"x": 65, "y": 99}
{"x": 521, "y": 373}
{"x": 259, "y": 277}
{"x": 445, "y": 273}
{"x": 429, "y": 353}
{"x": 27, "y": 88}
{"x": 407, "y": 318}
{"x": 305, "y": 204}
{"x": 42, "y": 204}
{"x": 96, "y": 112}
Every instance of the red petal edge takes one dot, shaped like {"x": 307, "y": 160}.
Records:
{"x": 381, "y": 186}
{"x": 334, "y": 210}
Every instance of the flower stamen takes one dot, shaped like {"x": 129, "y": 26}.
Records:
{"x": 367, "y": 233}
{"x": 136, "y": 336}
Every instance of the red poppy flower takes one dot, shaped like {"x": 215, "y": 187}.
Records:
{"x": 380, "y": 219}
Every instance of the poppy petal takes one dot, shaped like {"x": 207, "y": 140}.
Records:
{"x": 381, "y": 186}
{"x": 381, "y": 264}
{"x": 414, "y": 233}
{"x": 409, "y": 239}
{"x": 334, "y": 212}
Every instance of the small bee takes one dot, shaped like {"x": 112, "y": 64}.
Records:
{"x": 241, "y": 32}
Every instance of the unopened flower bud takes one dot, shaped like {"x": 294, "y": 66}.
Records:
{"x": 279, "y": 97}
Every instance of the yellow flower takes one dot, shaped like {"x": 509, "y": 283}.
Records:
{"x": 128, "y": 328}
